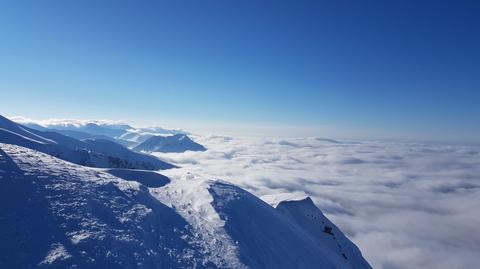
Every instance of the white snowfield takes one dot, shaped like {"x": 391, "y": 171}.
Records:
{"x": 56, "y": 214}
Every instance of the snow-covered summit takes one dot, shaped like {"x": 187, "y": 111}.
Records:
{"x": 57, "y": 214}
{"x": 173, "y": 143}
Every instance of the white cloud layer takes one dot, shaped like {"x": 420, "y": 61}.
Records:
{"x": 406, "y": 205}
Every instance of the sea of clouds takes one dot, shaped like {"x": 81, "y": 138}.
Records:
{"x": 406, "y": 205}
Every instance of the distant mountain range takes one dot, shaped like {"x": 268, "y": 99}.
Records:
{"x": 93, "y": 151}
{"x": 159, "y": 139}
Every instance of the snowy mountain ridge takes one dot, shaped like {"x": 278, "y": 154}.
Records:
{"x": 70, "y": 124}
{"x": 59, "y": 213}
{"x": 90, "y": 218}
{"x": 117, "y": 131}
{"x": 89, "y": 152}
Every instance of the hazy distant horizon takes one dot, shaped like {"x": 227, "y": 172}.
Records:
{"x": 256, "y": 131}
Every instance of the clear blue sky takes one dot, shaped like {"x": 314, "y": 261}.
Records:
{"x": 392, "y": 69}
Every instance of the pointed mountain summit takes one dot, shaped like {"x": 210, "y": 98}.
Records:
{"x": 174, "y": 143}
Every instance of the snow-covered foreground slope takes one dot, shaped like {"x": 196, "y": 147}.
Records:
{"x": 58, "y": 214}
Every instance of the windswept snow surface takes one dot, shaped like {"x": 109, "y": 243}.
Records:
{"x": 188, "y": 194}
{"x": 61, "y": 215}
{"x": 54, "y": 213}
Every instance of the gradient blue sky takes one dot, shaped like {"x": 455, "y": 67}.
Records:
{"x": 377, "y": 69}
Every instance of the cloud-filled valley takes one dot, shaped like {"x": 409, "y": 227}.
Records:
{"x": 406, "y": 205}
{"x": 101, "y": 205}
{"x": 240, "y": 134}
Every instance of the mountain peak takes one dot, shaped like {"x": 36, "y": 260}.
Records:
{"x": 173, "y": 143}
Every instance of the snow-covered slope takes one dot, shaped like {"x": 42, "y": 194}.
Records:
{"x": 312, "y": 221}
{"x": 60, "y": 215}
{"x": 57, "y": 214}
{"x": 173, "y": 143}
{"x": 297, "y": 229}
{"x": 90, "y": 152}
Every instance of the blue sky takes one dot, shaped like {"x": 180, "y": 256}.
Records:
{"x": 375, "y": 69}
